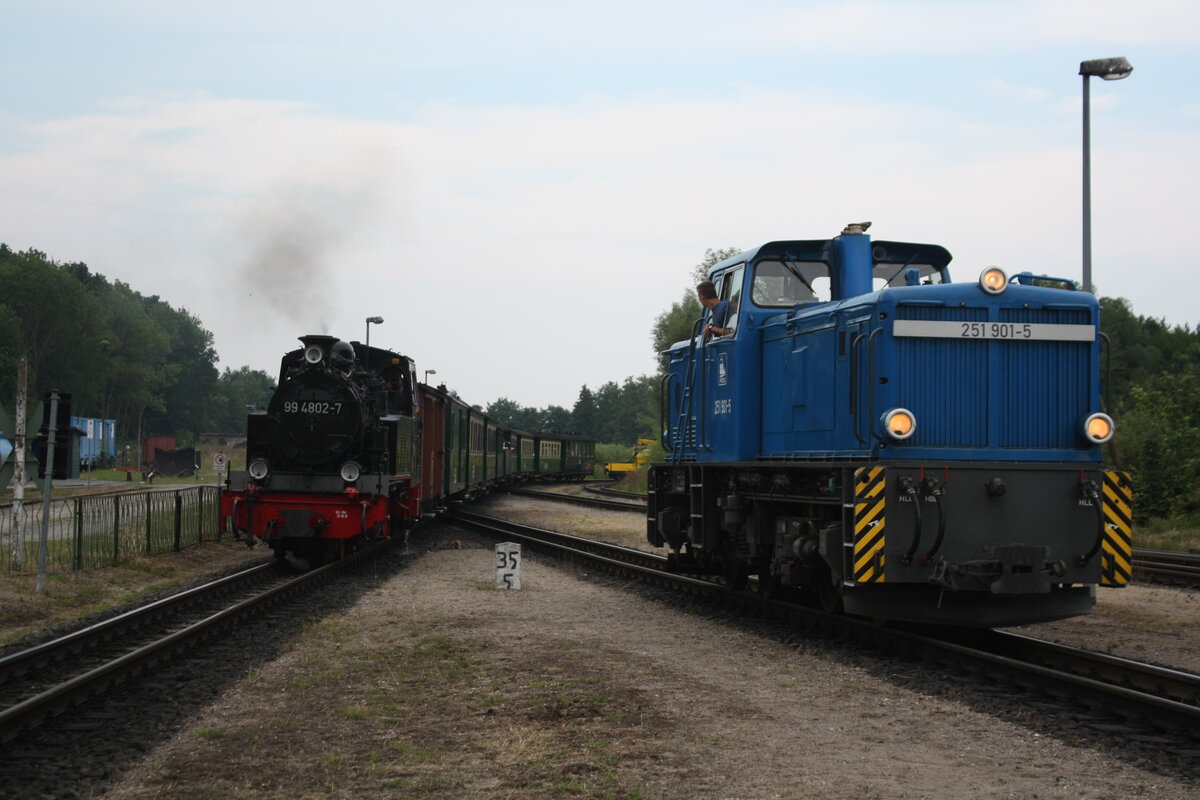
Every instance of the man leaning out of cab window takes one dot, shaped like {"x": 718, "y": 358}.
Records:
{"x": 719, "y": 310}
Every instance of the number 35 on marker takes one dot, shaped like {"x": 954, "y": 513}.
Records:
{"x": 508, "y": 565}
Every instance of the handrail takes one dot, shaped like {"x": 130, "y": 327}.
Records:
{"x": 858, "y": 337}
{"x": 701, "y": 417}
{"x": 1107, "y": 367}
{"x": 665, "y": 410}
{"x": 689, "y": 390}
{"x": 871, "y": 387}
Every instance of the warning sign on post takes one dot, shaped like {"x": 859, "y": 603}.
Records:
{"x": 219, "y": 462}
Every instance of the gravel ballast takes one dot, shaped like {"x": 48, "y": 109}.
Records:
{"x": 435, "y": 684}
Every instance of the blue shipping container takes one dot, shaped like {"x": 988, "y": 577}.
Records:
{"x": 93, "y": 433}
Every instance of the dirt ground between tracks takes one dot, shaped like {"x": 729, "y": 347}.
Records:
{"x": 1140, "y": 622}
{"x": 439, "y": 686}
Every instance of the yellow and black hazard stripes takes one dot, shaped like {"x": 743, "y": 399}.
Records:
{"x": 869, "y": 524}
{"x": 1116, "y": 559}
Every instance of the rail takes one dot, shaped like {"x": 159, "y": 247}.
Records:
{"x": 53, "y": 678}
{"x": 591, "y": 502}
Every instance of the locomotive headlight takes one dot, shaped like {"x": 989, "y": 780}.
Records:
{"x": 899, "y": 423}
{"x": 1098, "y": 428}
{"x": 993, "y": 280}
{"x": 351, "y": 471}
{"x": 313, "y": 354}
{"x": 258, "y": 469}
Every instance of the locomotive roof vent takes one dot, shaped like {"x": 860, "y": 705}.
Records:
{"x": 855, "y": 228}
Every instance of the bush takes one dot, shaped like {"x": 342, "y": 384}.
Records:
{"x": 1159, "y": 438}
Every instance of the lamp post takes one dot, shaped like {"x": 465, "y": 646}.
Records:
{"x": 428, "y": 372}
{"x": 104, "y": 343}
{"x": 372, "y": 321}
{"x": 1110, "y": 69}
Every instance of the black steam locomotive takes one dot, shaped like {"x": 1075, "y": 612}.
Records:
{"x": 332, "y": 458}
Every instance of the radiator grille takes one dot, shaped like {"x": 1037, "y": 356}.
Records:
{"x": 1005, "y": 394}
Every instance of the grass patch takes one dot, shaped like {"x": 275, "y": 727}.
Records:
{"x": 633, "y": 483}
{"x": 415, "y": 754}
{"x": 1178, "y": 534}
{"x": 425, "y": 705}
{"x": 74, "y": 595}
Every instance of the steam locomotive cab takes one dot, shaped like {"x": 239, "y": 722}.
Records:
{"x": 332, "y": 461}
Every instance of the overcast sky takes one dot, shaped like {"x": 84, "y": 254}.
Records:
{"x": 519, "y": 188}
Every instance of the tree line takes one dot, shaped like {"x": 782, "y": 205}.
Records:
{"x": 120, "y": 354}
{"x": 614, "y": 413}
{"x": 1151, "y": 377}
{"x": 152, "y": 367}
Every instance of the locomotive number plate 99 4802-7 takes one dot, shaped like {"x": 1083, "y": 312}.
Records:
{"x": 311, "y": 407}
{"x": 1004, "y": 331}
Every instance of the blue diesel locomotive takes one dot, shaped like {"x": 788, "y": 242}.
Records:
{"x": 893, "y": 444}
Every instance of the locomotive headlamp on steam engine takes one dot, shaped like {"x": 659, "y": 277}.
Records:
{"x": 351, "y": 471}
{"x": 993, "y": 280}
{"x": 258, "y": 469}
{"x": 1098, "y": 428}
{"x": 899, "y": 423}
{"x": 313, "y": 354}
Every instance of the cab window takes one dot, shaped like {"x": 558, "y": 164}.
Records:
{"x": 729, "y": 289}
{"x": 779, "y": 284}
{"x": 887, "y": 274}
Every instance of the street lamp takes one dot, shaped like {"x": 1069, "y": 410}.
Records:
{"x": 372, "y": 321}
{"x": 1110, "y": 69}
{"x": 104, "y": 343}
{"x": 377, "y": 321}
{"x": 429, "y": 372}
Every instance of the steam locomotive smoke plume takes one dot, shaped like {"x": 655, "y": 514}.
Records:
{"x": 289, "y": 269}
{"x": 292, "y": 244}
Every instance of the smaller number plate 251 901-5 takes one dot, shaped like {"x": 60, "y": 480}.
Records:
{"x": 1005, "y": 331}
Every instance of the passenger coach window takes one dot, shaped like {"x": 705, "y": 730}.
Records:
{"x": 783, "y": 285}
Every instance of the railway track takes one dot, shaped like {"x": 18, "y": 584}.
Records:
{"x": 50, "y": 679}
{"x": 592, "y": 502}
{"x": 1116, "y": 692}
{"x": 610, "y": 492}
{"x": 1162, "y": 566}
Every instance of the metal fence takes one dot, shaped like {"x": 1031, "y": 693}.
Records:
{"x": 105, "y": 530}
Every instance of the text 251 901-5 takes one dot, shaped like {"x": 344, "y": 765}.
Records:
{"x": 995, "y": 330}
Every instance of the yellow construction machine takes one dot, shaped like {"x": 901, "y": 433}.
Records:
{"x": 641, "y": 457}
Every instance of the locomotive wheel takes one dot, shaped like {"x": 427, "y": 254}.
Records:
{"x": 737, "y": 574}
{"x": 827, "y": 595}
{"x": 769, "y": 586}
